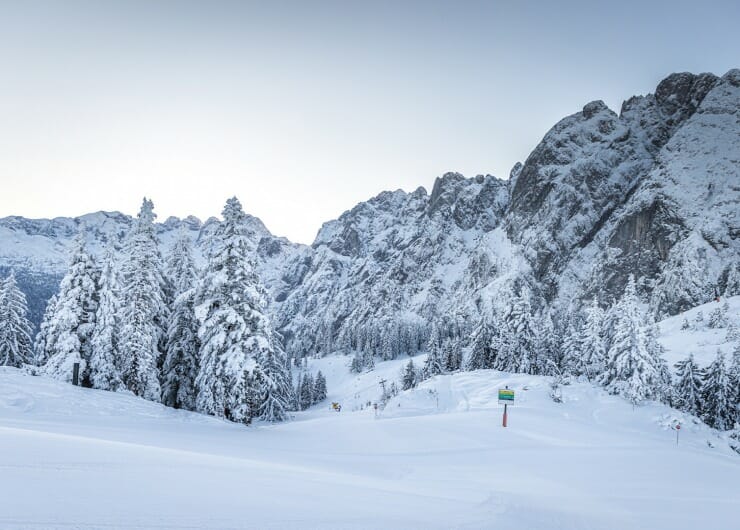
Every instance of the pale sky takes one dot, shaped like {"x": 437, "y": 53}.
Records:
{"x": 302, "y": 109}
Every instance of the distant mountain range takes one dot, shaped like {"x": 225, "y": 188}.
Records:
{"x": 653, "y": 191}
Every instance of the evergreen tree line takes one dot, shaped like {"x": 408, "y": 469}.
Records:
{"x": 617, "y": 349}
{"x": 310, "y": 390}
{"x": 163, "y": 330}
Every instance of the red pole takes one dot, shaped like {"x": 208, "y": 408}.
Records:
{"x": 505, "y": 414}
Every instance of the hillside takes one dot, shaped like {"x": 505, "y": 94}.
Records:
{"x": 436, "y": 457}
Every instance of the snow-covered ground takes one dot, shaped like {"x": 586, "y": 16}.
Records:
{"x": 436, "y": 457}
{"x": 699, "y": 339}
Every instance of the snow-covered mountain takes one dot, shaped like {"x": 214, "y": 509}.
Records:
{"x": 653, "y": 191}
{"x": 37, "y": 250}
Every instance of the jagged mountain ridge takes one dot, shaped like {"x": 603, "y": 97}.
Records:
{"x": 653, "y": 189}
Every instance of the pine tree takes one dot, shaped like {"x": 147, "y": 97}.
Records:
{"x": 181, "y": 361}
{"x": 681, "y": 285}
{"x": 735, "y": 381}
{"x": 717, "y": 318}
{"x": 592, "y": 342}
{"x": 451, "y": 355}
{"x": 105, "y": 369}
{"x": 522, "y": 334}
{"x": 307, "y": 387}
{"x": 718, "y": 410}
{"x": 409, "y": 376}
{"x": 688, "y": 386}
{"x": 503, "y": 344}
{"x": 482, "y": 355}
{"x": 573, "y": 356}
{"x": 15, "y": 329}
{"x": 144, "y": 308}
{"x": 732, "y": 285}
{"x": 70, "y": 330}
{"x": 434, "y": 362}
{"x": 44, "y": 338}
{"x": 631, "y": 369}
{"x": 319, "y": 388}
{"x": 235, "y": 334}
{"x": 276, "y": 392}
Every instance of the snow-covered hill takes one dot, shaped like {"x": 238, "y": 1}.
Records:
{"x": 436, "y": 457}
{"x": 699, "y": 338}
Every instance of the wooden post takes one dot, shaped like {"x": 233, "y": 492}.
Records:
{"x": 76, "y": 374}
{"x": 505, "y": 405}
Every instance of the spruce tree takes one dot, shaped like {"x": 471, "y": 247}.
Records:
{"x": 434, "y": 362}
{"x": 144, "y": 307}
{"x": 307, "y": 387}
{"x": 44, "y": 338}
{"x": 15, "y": 329}
{"x": 631, "y": 370}
{"x": 482, "y": 354}
{"x": 105, "y": 366}
{"x": 409, "y": 376}
{"x": 235, "y": 334}
{"x": 573, "y": 356}
{"x": 275, "y": 382}
{"x": 70, "y": 330}
{"x": 451, "y": 355}
{"x": 688, "y": 386}
{"x": 592, "y": 342}
{"x": 522, "y": 334}
{"x": 718, "y": 406}
{"x": 181, "y": 361}
{"x": 319, "y": 388}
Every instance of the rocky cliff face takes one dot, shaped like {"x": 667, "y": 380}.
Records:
{"x": 653, "y": 191}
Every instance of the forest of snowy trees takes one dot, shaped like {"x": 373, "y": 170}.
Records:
{"x": 160, "y": 328}
{"x": 202, "y": 340}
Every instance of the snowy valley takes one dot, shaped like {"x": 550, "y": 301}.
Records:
{"x": 600, "y": 282}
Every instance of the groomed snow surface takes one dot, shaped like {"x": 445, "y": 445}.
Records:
{"x": 437, "y": 457}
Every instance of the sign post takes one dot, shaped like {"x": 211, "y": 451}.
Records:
{"x": 678, "y": 430}
{"x": 506, "y": 397}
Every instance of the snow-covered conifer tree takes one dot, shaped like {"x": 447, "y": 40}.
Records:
{"x": 631, "y": 370}
{"x": 15, "y": 329}
{"x": 682, "y": 284}
{"x": 307, "y": 388}
{"x": 451, "y": 355}
{"x": 482, "y": 354}
{"x": 235, "y": 334}
{"x": 105, "y": 366}
{"x": 574, "y": 361}
{"x": 687, "y": 390}
{"x": 181, "y": 364}
{"x": 522, "y": 332}
{"x": 718, "y": 318}
{"x": 434, "y": 362}
{"x": 276, "y": 392}
{"x": 409, "y": 376}
{"x": 718, "y": 407}
{"x": 592, "y": 342}
{"x": 44, "y": 339}
{"x": 144, "y": 307}
{"x": 319, "y": 388}
{"x": 70, "y": 331}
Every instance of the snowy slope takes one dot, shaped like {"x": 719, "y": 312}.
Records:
{"x": 699, "y": 339}
{"x": 79, "y": 458}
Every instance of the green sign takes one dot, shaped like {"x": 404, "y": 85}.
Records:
{"x": 505, "y": 395}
